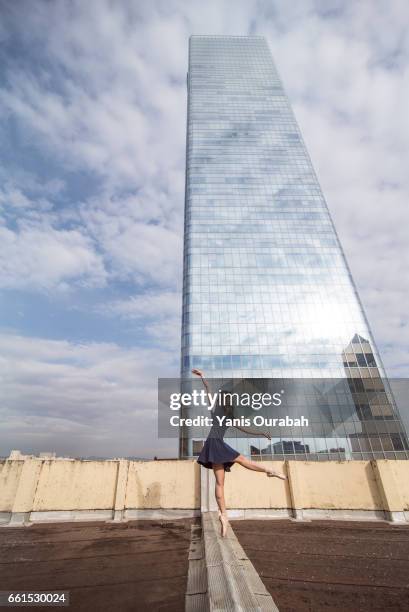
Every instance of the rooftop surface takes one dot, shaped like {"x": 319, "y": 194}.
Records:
{"x": 327, "y": 565}
{"x": 143, "y": 565}
{"x": 138, "y": 565}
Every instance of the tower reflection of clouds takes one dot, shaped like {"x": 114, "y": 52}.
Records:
{"x": 267, "y": 292}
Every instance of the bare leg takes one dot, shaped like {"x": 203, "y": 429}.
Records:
{"x": 218, "y": 470}
{"x": 257, "y": 466}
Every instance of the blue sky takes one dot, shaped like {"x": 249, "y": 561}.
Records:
{"x": 92, "y": 137}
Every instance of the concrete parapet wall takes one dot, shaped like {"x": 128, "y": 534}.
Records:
{"x": 9, "y": 478}
{"x": 79, "y": 485}
{"x": 163, "y": 484}
{"x": 38, "y": 489}
{"x": 247, "y": 489}
{"x": 400, "y": 470}
{"x": 49, "y": 486}
{"x": 334, "y": 485}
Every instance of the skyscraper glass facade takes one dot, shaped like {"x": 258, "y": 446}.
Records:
{"x": 267, "y": 291}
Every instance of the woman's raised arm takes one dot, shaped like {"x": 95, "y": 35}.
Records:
{"x": 252, "y": 432}
{"x": 204, "y": 381}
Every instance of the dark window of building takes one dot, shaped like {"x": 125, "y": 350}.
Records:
{"x": 197, "y": 446}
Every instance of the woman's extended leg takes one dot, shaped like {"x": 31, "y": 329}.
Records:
{"x": 257, "y": 466}
{"x": 218, "y": 470}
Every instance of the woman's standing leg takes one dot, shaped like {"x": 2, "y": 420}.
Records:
{"x": 219, "y": 473}
{"x": 258, "y": 467}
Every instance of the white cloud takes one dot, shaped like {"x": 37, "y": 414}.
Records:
{"x": 45, "y": 258}
{"x": 157, "y": 315}
{"x": 152, "y": 305}
{"x": 116, "y": 109}
{"x": 86, "y": 399}
{"x": 119, "y": 112}
{"x": 143, "y": 249}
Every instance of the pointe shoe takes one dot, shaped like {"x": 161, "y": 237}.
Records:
{"x": 224, "y": 523}
{"x": 273, "y": 474}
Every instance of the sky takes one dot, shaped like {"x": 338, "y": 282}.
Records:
{"x": 92, "y": 144}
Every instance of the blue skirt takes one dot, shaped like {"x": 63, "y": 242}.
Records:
{"x": 215, "y": 450}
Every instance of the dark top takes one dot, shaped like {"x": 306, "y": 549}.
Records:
{"x": 217, "y": 430}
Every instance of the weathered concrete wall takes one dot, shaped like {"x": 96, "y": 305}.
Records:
{"x": 9, "y": 479}
{"x": 334, "y": 485}
{"x": 400, "y": 470}
{"x": 117, "y": 486}
{"x": 44, "y": 485}
{"x": 246, "y": 489}
{"x": 76, "y": 485}
{"x": 163, "y": 484}
{"x": 325, "y": 485}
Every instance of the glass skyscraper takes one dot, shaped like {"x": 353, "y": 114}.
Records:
{"x": 267, "y": 291}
